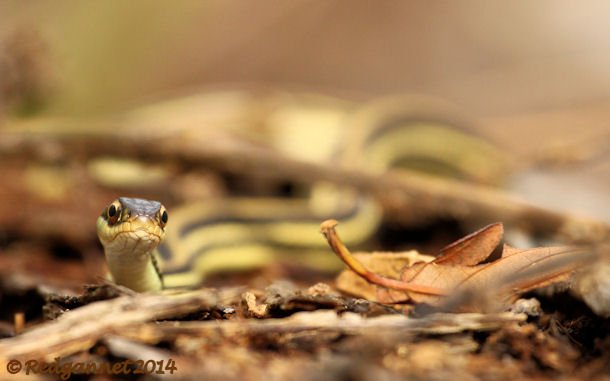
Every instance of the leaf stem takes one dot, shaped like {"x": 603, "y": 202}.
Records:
{"x": 334, "y": 241}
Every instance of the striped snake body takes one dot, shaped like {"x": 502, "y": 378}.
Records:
{"x": 243, "y": 233}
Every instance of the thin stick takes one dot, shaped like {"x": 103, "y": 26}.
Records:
{"x": 19, "y": 322}
{"x": 435, "y": 196}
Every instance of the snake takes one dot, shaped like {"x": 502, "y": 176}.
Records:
{"x": 130, "y": 229}
{"x": 146, "y": 252}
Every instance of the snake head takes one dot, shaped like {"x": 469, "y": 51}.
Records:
{"x": 131, "y": 226}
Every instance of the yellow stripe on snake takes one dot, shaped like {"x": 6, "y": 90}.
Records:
{"x": 243, "y": 233}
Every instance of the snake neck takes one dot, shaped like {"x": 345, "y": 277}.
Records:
{"x": 138, "y": 273}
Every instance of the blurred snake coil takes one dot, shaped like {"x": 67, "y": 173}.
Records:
{"x": 249, "y": 232}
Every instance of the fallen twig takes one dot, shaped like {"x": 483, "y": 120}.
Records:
{"x": 407, "y": 195}
{"x": 79, "y": 329}
{"x": 348, "y": 323}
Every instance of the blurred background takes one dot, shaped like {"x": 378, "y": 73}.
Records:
{"x": 494, "y": 59}
{"x": 192, "y": 102}
{"x": 534, "y": 74}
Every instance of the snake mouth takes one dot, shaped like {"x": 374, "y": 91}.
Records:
{"x": 137, "y": 236}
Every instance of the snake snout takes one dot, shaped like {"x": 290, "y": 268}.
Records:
{"x": 143, "y": 226}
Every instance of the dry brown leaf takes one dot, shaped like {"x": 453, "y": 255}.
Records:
{"x": 472, "y": 249}
{"x": 459, "y": 268}
{"x": 503, "y": 274}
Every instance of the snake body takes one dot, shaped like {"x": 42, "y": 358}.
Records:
{"x": 243, "y": 233}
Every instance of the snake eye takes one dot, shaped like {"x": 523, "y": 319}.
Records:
{"x": 163, "y": 217}
{"x": 113, "y": 213}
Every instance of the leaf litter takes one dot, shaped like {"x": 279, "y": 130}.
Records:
{"x": 355, "y": 330}
{"x": 463, "y": 266}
